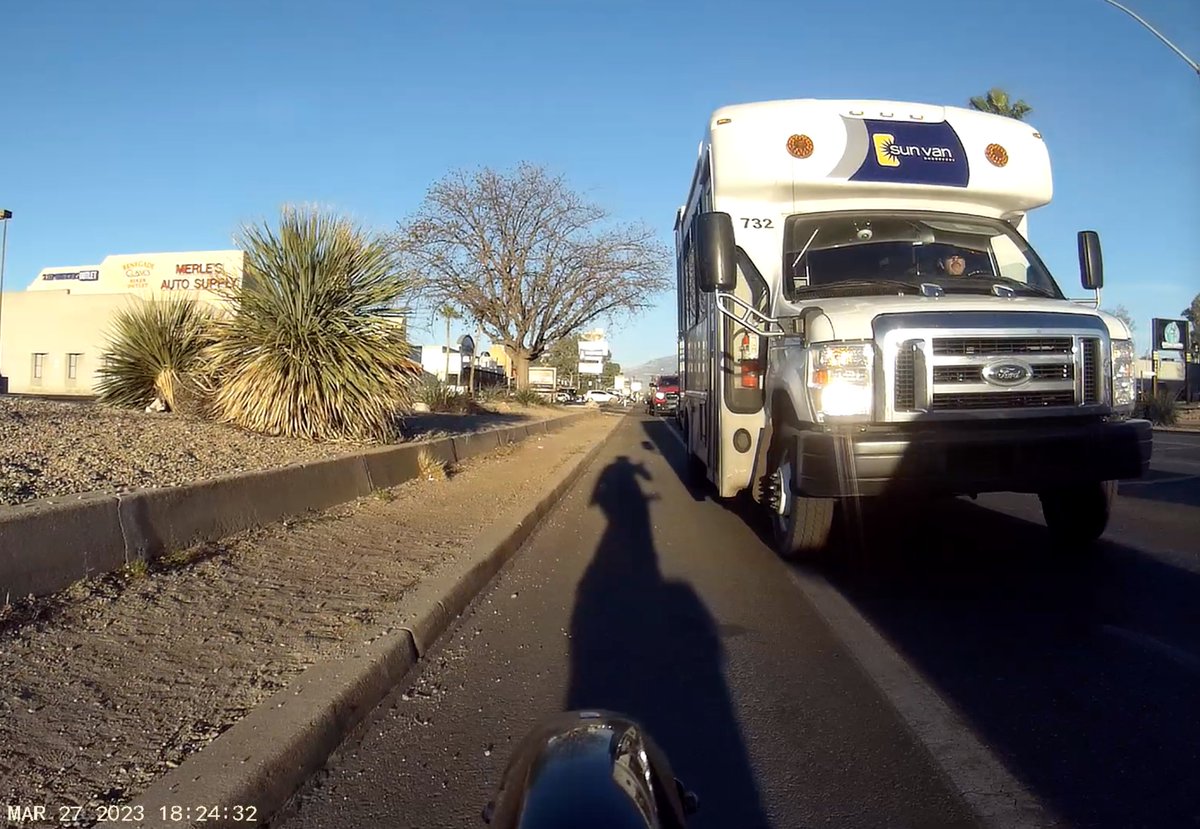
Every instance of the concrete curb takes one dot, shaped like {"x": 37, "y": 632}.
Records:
{"x": 47, "y": 545}
{"x": 58, "y": 544}
{"x": 1177, "y": 430}
{"x": 264, "y": 759}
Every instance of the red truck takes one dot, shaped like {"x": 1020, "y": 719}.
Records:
{"x": 664, "y": 395}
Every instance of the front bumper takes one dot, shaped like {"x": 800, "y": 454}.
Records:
{"x": 671, "y": 405}
{"x": 964, "y": 458}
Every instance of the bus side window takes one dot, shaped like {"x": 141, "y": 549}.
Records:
{"x": 694, "y": 301}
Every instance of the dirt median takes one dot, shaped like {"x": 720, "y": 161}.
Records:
{"x": 109, "y": 685}
{"x": 54, "y": 448}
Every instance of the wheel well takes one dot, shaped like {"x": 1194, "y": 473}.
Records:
{"x": 782, "y": 410}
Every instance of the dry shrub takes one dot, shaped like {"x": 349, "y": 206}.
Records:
{"x": 431, "y": 467}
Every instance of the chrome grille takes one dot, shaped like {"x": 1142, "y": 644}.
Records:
{"x": 980, "y": 365}
{"x": 1063, "y": 372}
{"x": 974, "y": 374}
{"x": 1000, "y": 346}
{"x": 1002, "y": 400}
{"x": 1091, "y": 370}
{"x": 906, "y": 379}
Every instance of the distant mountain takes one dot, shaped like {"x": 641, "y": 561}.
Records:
{"x": 653, "y": 368}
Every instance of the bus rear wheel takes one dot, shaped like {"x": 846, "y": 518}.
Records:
{"x": 801, "y": 526}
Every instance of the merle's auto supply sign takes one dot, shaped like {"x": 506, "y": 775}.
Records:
{"x": 204, "y": 274}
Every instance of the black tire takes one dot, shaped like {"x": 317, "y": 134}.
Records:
{"x": 1078, "y": 515}
{"x": 804, "y": 533}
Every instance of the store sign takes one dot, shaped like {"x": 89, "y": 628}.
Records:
{"x": 1170, "y": 335}
{"x": 593, "y": 346}
{"x": 138, "y": 273}
{"x": 205, "y": 268}
{"x": 207, "y": 283}
{"x": 213, "y": 271}
{"x": 72, "y": 276}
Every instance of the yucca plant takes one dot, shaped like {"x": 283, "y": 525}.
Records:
{"x": 439, "y": 397}
{"x": 529, "y": 397}
{"x": 487, "y": 395}
{"x": 314, "y": 346}
{"x": 1162, "y": 409}
{"x": 154, "y": 352}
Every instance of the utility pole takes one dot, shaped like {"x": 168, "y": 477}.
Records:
{"x": 474, "y": 353}
{"x": 5, "y": 215}
{"x": 446, "y": 371}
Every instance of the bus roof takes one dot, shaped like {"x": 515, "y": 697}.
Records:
{"x": 810, "y": 154}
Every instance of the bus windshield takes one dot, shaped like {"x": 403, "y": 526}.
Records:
{"x": 886, "y": 252}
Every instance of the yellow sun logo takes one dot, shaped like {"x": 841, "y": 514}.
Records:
{"x": 886, "y": 151}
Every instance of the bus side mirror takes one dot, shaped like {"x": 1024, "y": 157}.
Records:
{"x": 715, "y": 259}
{"x": 1091, "y": 265}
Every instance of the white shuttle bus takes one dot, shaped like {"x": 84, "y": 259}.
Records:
{"x": 860, "y": 315}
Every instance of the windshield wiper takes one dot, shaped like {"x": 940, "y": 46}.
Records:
{"x": 978, "y": 281}
{"x": 1019, "y": 285}
{"x": 854, "y": 285}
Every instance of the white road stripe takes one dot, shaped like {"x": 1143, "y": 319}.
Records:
{"x": 1150, "y": 482}
{"x": 988, "y": 788}
{"x": 1147, "y": 642}
{"x": 674, "y": 430}
{"x": 982, "y": 781}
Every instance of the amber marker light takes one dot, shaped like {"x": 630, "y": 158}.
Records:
{"x": 800, "y": 146}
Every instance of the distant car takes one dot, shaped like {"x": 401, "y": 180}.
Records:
{"x": 599, "y": 396}
{"x": 664, "y": 397}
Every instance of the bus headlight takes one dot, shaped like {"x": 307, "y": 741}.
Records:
{"x": 1124, "y": 384}
{"x": 840, "y": 380}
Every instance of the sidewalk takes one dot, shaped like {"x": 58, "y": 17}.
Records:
{"x": 107, "y": 687}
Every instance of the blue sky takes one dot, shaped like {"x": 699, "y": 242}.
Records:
{"x": 149, "y": 126}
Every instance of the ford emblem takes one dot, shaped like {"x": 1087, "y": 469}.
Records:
{"x": 1007, "y": 374}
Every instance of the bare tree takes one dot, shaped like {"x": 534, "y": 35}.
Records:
{"x": 1121, "y": 313}
{"x": 529, "y": 258}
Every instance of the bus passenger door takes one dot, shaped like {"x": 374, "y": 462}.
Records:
{"x": 740, "y": 360}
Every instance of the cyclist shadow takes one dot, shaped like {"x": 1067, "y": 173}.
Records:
{"x": 647, "y": 647}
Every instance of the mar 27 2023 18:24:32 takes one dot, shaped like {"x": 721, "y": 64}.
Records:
{"x": 42, "y": 815}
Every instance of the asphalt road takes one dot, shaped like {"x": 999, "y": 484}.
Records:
{"x": 1080, "y": 676}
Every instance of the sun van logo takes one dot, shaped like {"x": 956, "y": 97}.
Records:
{"x": 888, "y": 153}
{"x": 885, "y": 150}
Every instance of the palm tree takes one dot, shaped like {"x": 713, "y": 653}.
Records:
{"x": 314, "y": 346}
{"x": 996, "y": 101}
{"x": 154, "y": 352}
{"x": 450, "y": 313}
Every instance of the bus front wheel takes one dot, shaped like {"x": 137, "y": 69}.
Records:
{"x": 801, "y": 526}
{"x": 1077, "y": 516}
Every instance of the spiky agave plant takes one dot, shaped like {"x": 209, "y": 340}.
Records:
{"x": 314, "y": 346}
{"x": 155, "y": 350}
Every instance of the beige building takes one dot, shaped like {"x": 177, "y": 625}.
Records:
{"x": 53, "y": 333}
{"x": 500, "y": 356}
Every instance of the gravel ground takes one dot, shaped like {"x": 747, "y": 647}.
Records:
{"x": 53, "y": 448}
{"x": 107, "y": 686}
